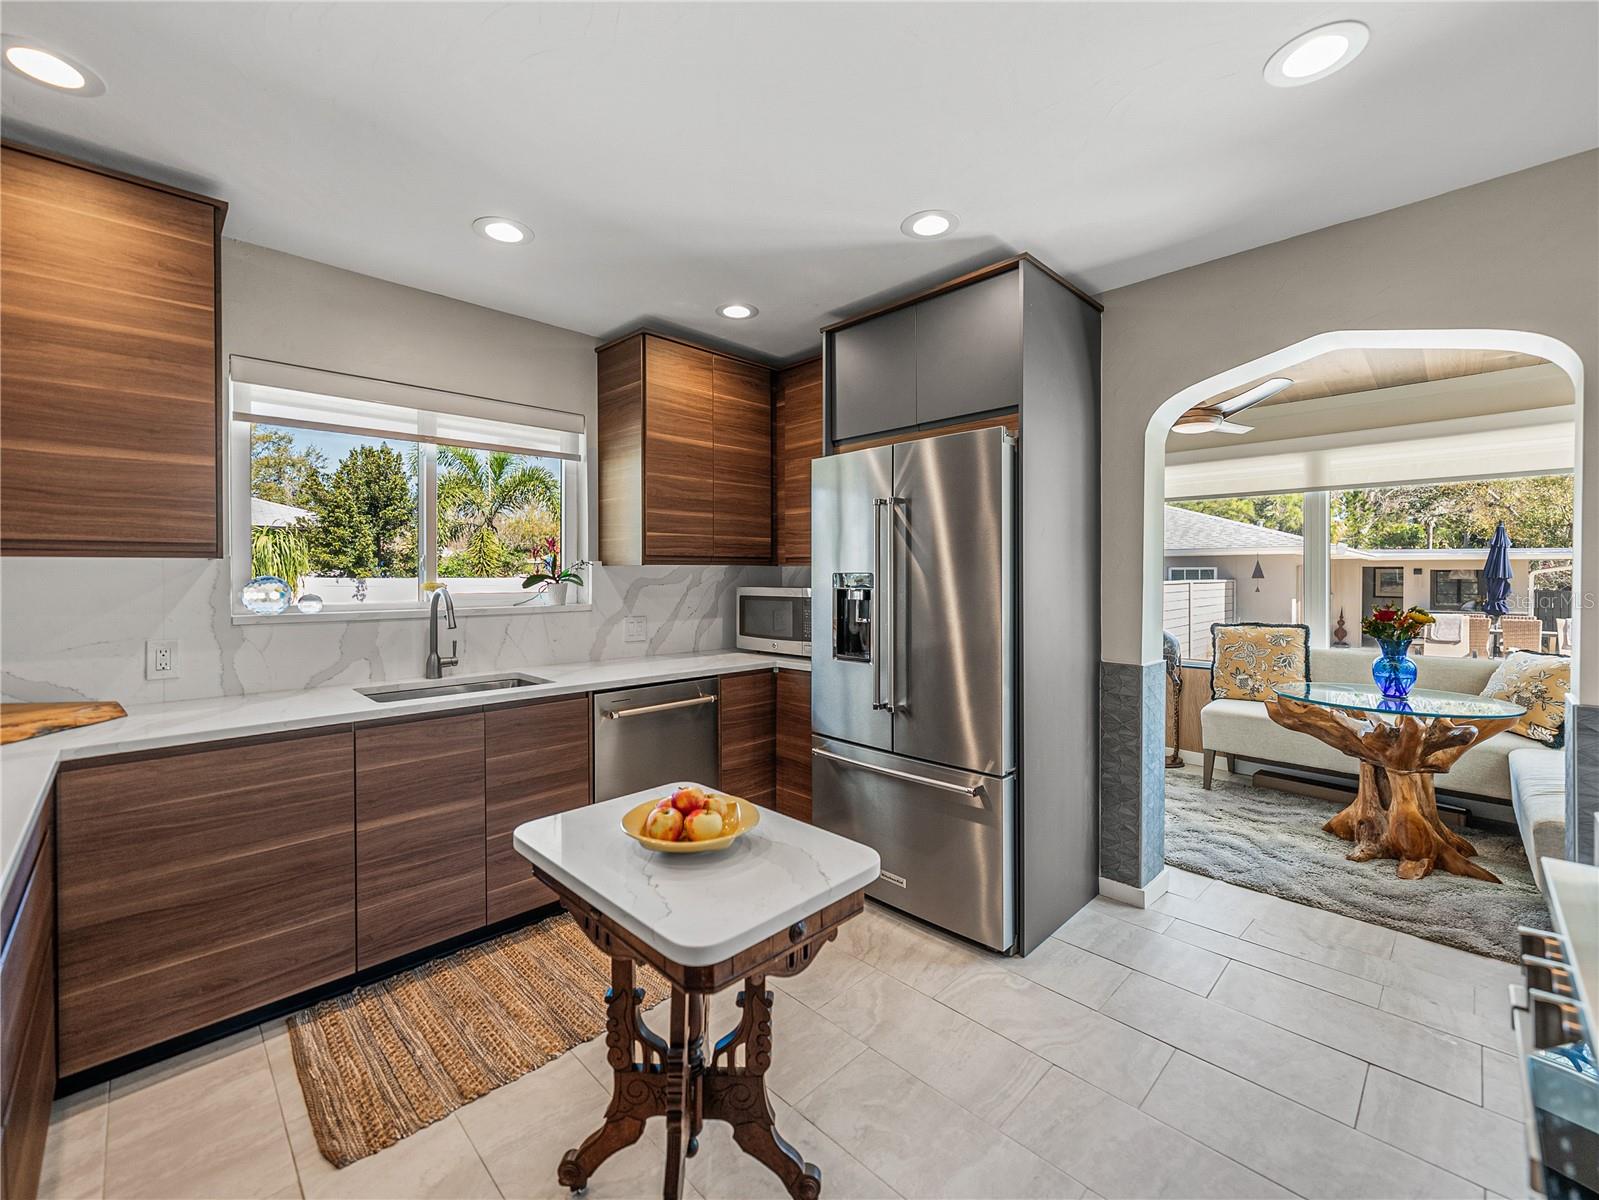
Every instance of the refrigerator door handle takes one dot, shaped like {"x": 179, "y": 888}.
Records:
{"x": 881, "y": 646}
{"x": 921, "y": 780}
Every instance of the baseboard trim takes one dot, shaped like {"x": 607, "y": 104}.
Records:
{"x": 1138, "y": 897}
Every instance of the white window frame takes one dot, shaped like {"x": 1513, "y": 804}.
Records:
{"x": 485, "y": 600}
{"x": 1191, "y": 574}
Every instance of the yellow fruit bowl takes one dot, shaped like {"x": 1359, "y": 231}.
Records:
{"x": 749, "y": 816}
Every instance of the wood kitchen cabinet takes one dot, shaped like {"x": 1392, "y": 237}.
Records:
{"x": 195, "y": 885}
{"x": 794, "y": 744}
{"x": 110, "y": 368}
{"x": 420, "y": 834}
{"x": 747, "y": 729}
{"x": 536, "y": 762}
{"x": 27, "y": 1015}
{"x": 685, "y": 454}
{"x": 797, "y": 400}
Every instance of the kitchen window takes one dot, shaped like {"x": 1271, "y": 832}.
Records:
{"x": 361, "y": 491}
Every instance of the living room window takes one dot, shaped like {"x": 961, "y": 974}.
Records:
{"x": 364, "y": 498}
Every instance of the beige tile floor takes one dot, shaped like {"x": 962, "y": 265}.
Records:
{"x": 1221, "y": 1043}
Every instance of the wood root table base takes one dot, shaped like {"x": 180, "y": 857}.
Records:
{"x": 673, "y": 1077}
{"x": 1407, "y": 827}
{"x": 1395, "y": 810}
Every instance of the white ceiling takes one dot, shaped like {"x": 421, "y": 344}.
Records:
{"x": 675, "y": 157}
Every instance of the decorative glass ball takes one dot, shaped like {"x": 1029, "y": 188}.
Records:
{"x": 309, "y": 603}
{"x": 266, "y": 595}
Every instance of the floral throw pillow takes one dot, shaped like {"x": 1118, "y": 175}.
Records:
{"x": 1250, "y": 660}
{"x": 1539, "y": 683}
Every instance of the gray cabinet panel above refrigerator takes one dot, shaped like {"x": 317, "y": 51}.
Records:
{"x": 969, "y": 350}
{"x": 873, "y": 368}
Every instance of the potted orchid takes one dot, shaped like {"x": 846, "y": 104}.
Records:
{"x": 1394, "y": 672}
{"x": 555, "y": 581}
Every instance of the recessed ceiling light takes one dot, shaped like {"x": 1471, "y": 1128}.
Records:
{"x": 737, "y": 312}
{"x": 1317, "y": 54}
{"x": 503, "y": 229}
{"x": 49, "y": 68}
{"x": 929, "y": 223}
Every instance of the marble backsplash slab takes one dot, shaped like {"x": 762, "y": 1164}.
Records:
{"x": 76, "y": 628}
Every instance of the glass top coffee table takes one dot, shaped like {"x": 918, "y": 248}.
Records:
{"x": 1400, "y": 745}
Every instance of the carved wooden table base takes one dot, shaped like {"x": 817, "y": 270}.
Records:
{"x": 1395, "y": 810}
{"x": 672, "y": 1077}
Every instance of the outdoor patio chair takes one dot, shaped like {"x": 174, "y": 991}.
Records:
{"x": 1520, "y": 633}
{"x": 1478, "y": 628}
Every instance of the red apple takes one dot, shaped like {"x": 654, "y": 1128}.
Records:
{"x": 664, "y": 824}
{"x": 688, "y": 799}
{"x": 704, "y": 825}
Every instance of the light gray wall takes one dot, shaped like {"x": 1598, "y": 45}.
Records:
{"x": 1517, "y": 253}
{"x": 287, "y": 309}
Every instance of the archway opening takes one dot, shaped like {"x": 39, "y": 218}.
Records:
{"x": 1264, "y": 532}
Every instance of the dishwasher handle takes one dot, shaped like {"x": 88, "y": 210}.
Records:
{"x": 616, "y": 714}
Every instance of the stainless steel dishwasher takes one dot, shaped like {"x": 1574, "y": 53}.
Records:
{"x": 648, "y": 736}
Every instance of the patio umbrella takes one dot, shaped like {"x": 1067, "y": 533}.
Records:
{"x": 1496, "y": 583}
{"x": 1496, "y": 575}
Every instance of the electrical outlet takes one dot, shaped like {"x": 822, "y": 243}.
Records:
{"x": 160, "y": 660}
{"x": 635, "y": 629}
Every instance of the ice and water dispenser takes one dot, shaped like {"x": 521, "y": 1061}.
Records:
{"x": 852, "y": 616}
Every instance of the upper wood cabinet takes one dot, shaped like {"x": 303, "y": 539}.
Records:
{"x": 685, "y": 454}
{"x": 797, "y": 396}
{"x": 111, "y": 420}
{"x": 536, "y": 757}
{"x": 199, "y": 884}
{"x": 419, "y": 834}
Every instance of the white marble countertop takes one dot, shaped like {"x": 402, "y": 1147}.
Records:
{"x": 1574, "y": 904}
{"x": 697, "y": 909}
{"x": 27, "y": 769}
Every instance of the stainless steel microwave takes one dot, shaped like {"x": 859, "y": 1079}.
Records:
{"x": 775, "y": 620}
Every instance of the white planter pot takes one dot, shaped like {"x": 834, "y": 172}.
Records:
{"x": 556, "y": 594}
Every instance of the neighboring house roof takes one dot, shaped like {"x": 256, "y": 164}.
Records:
{"x": 1189, "y": 532}
{"x": 270, "y": 512}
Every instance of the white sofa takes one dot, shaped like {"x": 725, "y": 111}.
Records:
{"x": 1505, "y": 768}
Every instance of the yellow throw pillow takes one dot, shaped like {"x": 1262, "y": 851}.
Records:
{"x": 1252, "y": 659}
{"x": 1539, "y": 682}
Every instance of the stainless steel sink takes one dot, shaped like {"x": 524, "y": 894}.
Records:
{"x": 394, "y": 693}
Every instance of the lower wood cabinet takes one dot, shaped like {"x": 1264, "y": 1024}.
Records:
{"x": 28, "y": 1021}
{"x": 747, "y": 728}
{"x": 419, "y": 834}
{"x": 536, "y": 760}
{"x": 794, "y": 744}
{"x": 199, "y": 884}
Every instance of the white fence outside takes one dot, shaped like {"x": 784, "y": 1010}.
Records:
{"x": 1189, "y": 609}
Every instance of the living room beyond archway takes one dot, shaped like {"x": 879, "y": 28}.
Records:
{"x": 1303, "y": 495}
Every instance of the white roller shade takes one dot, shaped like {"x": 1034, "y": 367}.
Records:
{"x": 1538, "y": 442}
{"x": 282, "y": 394}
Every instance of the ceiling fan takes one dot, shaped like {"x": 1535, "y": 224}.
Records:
{"x": 1212, "y": 418}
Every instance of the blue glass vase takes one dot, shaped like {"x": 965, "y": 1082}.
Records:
{"x": 1394, "y": 671}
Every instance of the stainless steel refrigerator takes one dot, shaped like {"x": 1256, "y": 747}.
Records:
{"x": 912, "y": 672}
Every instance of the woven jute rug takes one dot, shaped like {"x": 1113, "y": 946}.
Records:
{"x": 385, "y": 1060}
{"x": 1272, "y": 842}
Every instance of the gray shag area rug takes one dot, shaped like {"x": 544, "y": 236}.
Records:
{"x": 1272, "y": 842}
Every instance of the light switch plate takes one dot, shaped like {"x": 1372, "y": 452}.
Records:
{"x": 160, "y": 659}
{"x": 635, "y": 629}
